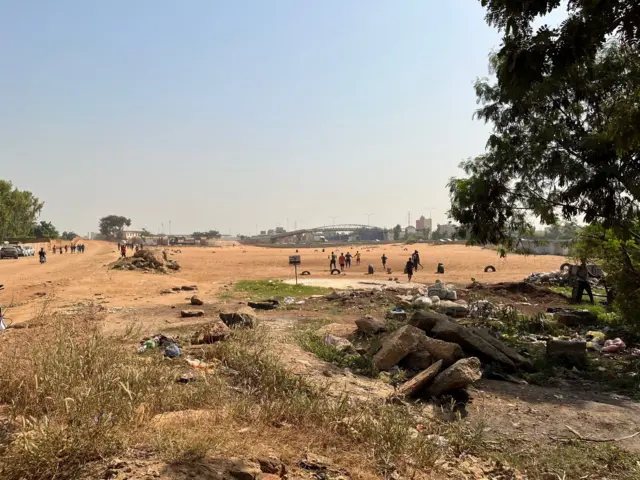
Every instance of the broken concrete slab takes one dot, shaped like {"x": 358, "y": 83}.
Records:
{"x": 508, "y": 351}
{"x": 370, "y": 325}
{"x": 242, "y": 317}
{"x": 396, "y": 346}
{"x": 471, "y": 343}
{"x": 459, "y": 375}
{"x": 420, "y": 381}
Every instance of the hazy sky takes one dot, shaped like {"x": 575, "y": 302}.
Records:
{"x": 231, "y": 114}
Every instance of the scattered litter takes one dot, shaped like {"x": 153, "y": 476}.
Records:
{"x": 613, "y": 346}
{"x": 289, "y": 300}
{"x": 172, "y": 350}
{"x": 199, "y": 364}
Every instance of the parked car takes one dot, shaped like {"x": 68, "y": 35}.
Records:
{"x": 9, "y": 252}
{"x": 30, "y": 251}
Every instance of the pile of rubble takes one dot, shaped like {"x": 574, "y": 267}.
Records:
{"x": 147, "y": 261}
{"x": 447, "y": 355}
{"x": 556, "y": 278}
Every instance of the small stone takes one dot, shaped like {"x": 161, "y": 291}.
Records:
{"x": 195, "y": 300}
{"x": 370, "y": 325}
{"x": 191, "y": 313}
{"x": 242, "y": 317}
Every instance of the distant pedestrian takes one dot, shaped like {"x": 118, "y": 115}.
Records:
{"x": 582, "y": 283}
{"x": 332, "y": 263}
{"x": 415, "y": 258}
{"x": 43, "y": 255}
{"x": 66, "y": 248}
{"x": 348, "y": 259}
{"x": 357, "y": 258}
{"x": 409, "y": 268}
{"x": 119, "y": 246}
{"x": 343, "y": 260}
{"x": 123, "y": 251}
{"x": 384, "y": 261}
{"x": 54, "y": 249}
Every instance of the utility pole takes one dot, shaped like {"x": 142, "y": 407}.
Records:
{"x": 369, "y": 215}
{"x": 169, "y": 227}
{"x": 334, "y": 219}
{"x": 409, "y": 219}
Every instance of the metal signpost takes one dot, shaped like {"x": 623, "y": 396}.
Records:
{"x": 295, "y": 261}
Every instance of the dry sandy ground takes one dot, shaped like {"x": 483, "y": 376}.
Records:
{"x": 522, "y": 413}
{"x": 69, "y": 278}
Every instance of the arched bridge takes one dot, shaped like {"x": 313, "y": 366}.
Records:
{"x": 346, "y": 228}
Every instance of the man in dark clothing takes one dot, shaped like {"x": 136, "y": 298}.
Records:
{"x": 583, "y": 282}
{"x": 409, "y": 268}
{"x": 43, "y": 255}
{"x": 384, "y": 261}
{"x": 348, "y": 259}
{"x": 415, "y": 258}
{"x": 332, "y": 263}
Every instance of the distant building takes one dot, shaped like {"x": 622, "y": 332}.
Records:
{"x": 263, "y": 232}
{"x": 447, "y": 230}
{"x": 423, "y": 224}
{"x": 131, "y": 234}
{"x": 410, "y": 230}
{"x": 280, "y": 230}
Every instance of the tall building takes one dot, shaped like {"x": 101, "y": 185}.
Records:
{"x": 423, "y": 223}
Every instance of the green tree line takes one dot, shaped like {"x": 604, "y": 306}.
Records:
{"x": 19, "y": 210}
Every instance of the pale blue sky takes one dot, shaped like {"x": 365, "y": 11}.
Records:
{"x": 227, "y": 114}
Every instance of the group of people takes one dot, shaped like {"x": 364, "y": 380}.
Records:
{"x": 412, "y": 264}
{"x": 122, "y": 248}
{"x": 344, "y": 260}
{"x": 77, "y": 247}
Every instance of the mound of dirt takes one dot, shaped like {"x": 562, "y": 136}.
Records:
{"x": 146, "y": 260}
{"x": 517, "y": 292}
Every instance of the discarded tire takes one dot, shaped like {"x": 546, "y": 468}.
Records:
{"x": 489, "y": 268}
{"x": 335, "y": 271}
{"x": 306, "y": 272}
{"x": 565, "y": 266}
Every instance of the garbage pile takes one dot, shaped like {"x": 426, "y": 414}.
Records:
{"x": 556, "y": 278}
{"x": 147, "y": 260}
{"x": 168, "y": 345}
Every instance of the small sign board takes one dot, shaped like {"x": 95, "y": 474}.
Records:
{"x": 294, "y": 260}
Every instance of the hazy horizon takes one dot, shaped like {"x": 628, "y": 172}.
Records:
{"x": 240, "y": 116}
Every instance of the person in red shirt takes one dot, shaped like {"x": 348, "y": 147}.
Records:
{"x": 342, "y": 261}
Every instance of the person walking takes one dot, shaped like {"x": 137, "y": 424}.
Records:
{"x": 54, "y": 249}
{"x": 66, "y": 248}
{"x": 348, "y": 259}
{"x": 123, "y": 251}
{"x": 43, "y": 255}
{"x": 384, "y": 261}
{"x": 415, "y": 258}
{"x": 357, "y": 258}
{"x": 332, "y": 262}
{"x": 408, "y": 268}
{"x": 583, "y": 282}
{"x": 342, "y": 260}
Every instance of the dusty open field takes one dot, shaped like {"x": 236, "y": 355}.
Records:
{"x": 67, "y": 278}
{"x": 504, "y": 414}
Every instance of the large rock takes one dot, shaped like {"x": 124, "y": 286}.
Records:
{"x": 576, "y": 318}
{"x": 370, "y": 325}
{"x": 242, "y": 317}
{"x": 426, "y": 319}
{"x": 470, "y": 342}
{"x": 508, "y": 351}
{"x": 448, "y": 352}
{"x": 195, "y": 300}
{"x": 418, "y": 360}
{"x": 441, "y": 291}
{"x": 211, "y": 333}
{"x": 423, "y": 302}
{"x": 567, "y": 350}
{"x": 191, "y": 313}
{"x": 339, "y": 343}
{"x": 420, "y": 381}
{"x": 453, "y": 309}
{"x": 396, "y": 346}
{"x": 459, "y": 375}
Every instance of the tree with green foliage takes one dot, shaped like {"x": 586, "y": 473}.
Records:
{"x": 69, "y": 235}
{"x": 397, "y": 230}
{"x": 112, "y": 226}
{"x": 620, "y": 259}
{"x": 45, "y": 230}
{"x": 145, "y": 233}
{"x": 560, "y": 151}
{"x": 209, "y": 234}
{"x": 18, "y": 211}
